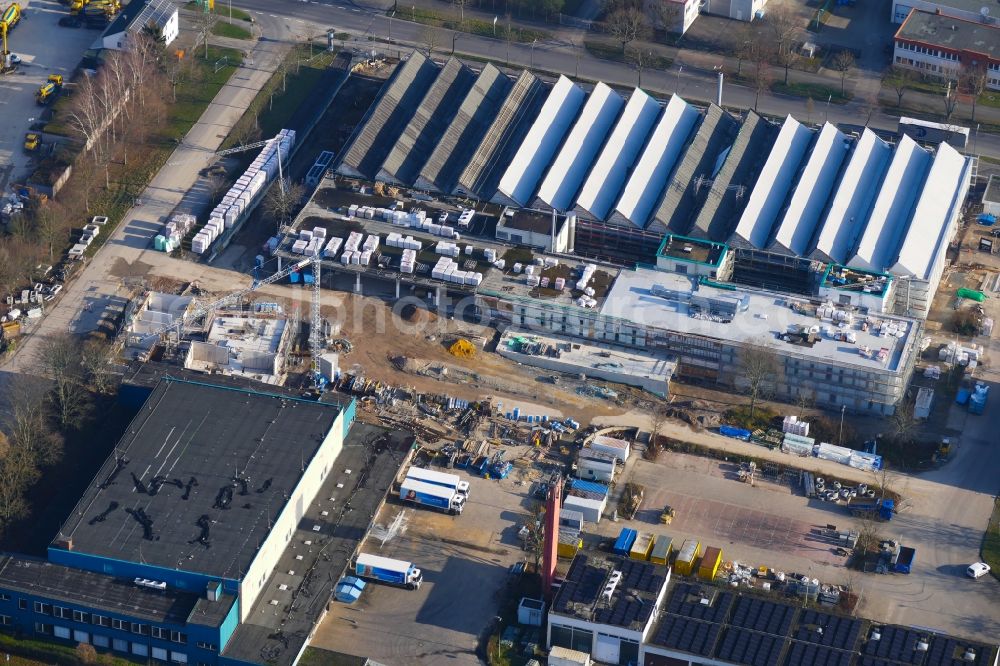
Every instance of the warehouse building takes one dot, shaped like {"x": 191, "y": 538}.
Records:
{"x": 624, "y": 611}
{"x": 942, "y": 45}
{"x": 193, "y": 526}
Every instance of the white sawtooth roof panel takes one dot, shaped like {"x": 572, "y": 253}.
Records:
{"x": 578, "y": 151}
{"x": 891, "y": 212}
{"x": 658, "y": 158}
{"x": 945, "y": 188}
{"x": 607, "y": 177}
{"x": 798, "y": 225}
{"x": 542, "y": 141}
{"x": 854, "y": 197}
{"x": 773, "y": 184}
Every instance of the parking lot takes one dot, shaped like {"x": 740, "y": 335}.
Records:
{"x": 44, "y": 48}
{"x": 465, "y": 561}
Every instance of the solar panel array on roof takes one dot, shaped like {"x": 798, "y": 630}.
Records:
{"x": 762, "y": 615}
{"x": 827, "y": 629}
{"x": 694, "y": 171}
{"x": 475, "y": 115}
{"x": 482, "y": 174}
{"x": 565, "y": 176}
{"x": 380, "y": 129}
{"x": 583, "y": 584}
{"x": 773, "y": 185}
{"x": 608, "y": 176}
{"x": 742, "y": 646}
{"x": 733, "y": 181}
{"x": 682, "y": 633}
{"x": 535, "y": 153}
{"x": 428, "y": 124}
{"x": 700, "y": 602}
{"x": 948, "y": 651}
{"x": 807, "y": 654}
{"x": 651, "y": 175}
{"x": 899, "y": 644}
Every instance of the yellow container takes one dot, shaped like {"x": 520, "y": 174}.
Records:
{"x": 569, "y": 543}
{"x": 710, "y": 562}
{"x": 661, "y": 550}
{"x": 642, "y": 546}
{"x": 687, "y": 557}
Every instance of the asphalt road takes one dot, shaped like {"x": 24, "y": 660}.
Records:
{"x": 693, "y": 83}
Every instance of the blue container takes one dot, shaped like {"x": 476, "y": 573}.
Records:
{"x": 623, "y": 544}
{"x": 590, "y": 486}
{"x": 517, "y": 413}
{"x": 735, "y": 433}
{"x": 962, "y": 397}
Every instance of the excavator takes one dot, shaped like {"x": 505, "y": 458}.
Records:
{"x": 11, "y": 16}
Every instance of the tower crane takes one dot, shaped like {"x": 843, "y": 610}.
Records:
{"x": 315, "y": 324}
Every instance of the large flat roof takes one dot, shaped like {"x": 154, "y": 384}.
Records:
{"x": 773, "y": 185}
{"x": 542, "y": 141}
{"x": 764, "y": 316}
{"x": 945, "y": 190}
{"x": 107, "y": 593}
{"x": 952, "y": 33}
{"x": 853, "y": 199}
{"x": 890, "y": 217}
{"x": 651, "y": 176}
{"x": 428, "y": 123}
{"x": 565, "y": 176}
{"x": 608, "y": 175}
{"x": 795, "y": 231}
{"x": 633, "y": 597}
{"x": 197, "y": 450}
{"x": 475, "y": 115}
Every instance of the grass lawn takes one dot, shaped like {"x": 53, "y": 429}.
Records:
{"x": 991, "y": 542}
{"x": 298, "y": 84}
{"x": 606, "y": 51}
{"x": 29, "y": 653}
{"x": 473, "y": 26}
{"x": 226, "y": 29}
{"x": 224, "y": 9}
{"x": 817, "y": 91}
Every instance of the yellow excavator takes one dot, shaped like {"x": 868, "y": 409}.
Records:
{"x": 11, "y": 16}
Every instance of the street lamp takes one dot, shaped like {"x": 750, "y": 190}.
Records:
{"x": 389, "y": 16}
{"x": 840, "y": 438}
{"x": 680, "y": 68}
{"x": 499, "y": 634}
{"x": 454, "y": 38}
{"x": 495, "y": 26}
{"x": 531, "y": 64}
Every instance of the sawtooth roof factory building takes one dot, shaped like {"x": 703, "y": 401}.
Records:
{"x": 830, "y": 241}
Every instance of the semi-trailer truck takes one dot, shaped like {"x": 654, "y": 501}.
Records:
{"x": 881, "y": 509}
{"x": 386, "y": 570}
{"x": 427, "y": 494}
{"x": 436, "y": 478}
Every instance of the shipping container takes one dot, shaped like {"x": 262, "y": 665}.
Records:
{"x": 661, "y": 550}
{"x": 642, "y": 546}
{"x": 570, "y": 543}
{"x": 687, "y": 557}
{"x": 710, "y": 563}
{"x": 623, "y": 544}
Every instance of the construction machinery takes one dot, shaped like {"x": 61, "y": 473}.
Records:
{"x": 11, "y": 16}
{"x": 47, "y": 92}
{"x": 99, "y": 13}
{"x": 667, "y": 515}
{"x": 32, "y": 141}
{"x": 315, "y": 325}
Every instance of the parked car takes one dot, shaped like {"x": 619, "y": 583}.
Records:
{"x": 977, "y": 570}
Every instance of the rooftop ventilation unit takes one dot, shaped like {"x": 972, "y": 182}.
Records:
{"x": 151, "y": 584}
{"x": 609, "y": 588}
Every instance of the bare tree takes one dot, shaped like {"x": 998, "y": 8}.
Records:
{"x": 97, "y": 357}
{"x": 667, "y": 15}
{"x": 461, "y": 10}
{"x": 759, "y": 366}
{"x": 282, "y": 199}
{"x": 657, "y": 417}
{"x": 216, "y": 184}
{"x": 28, "y": 425}
{"x": 86, "y": 654}
{"x": 899, "y": 79}
{"x": 746, "y": 46}
{"x": 950, "y": 101}
{"x": 430, "y": 37}
{"x": 973, "y": 80}
{"x": 62, "y": 363}
{"x": 533, "y": 528}
{"x": 903, "y": 421}
{"x": 641, "y": 58}
{"x": 626, "y": 25}
{"x": 785, "y": 26}
{"x": 760, "y": 72}
{"x": 843, "y": 62}
{"x": 805, "y": 400}
{"x": 18, "y": 470}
